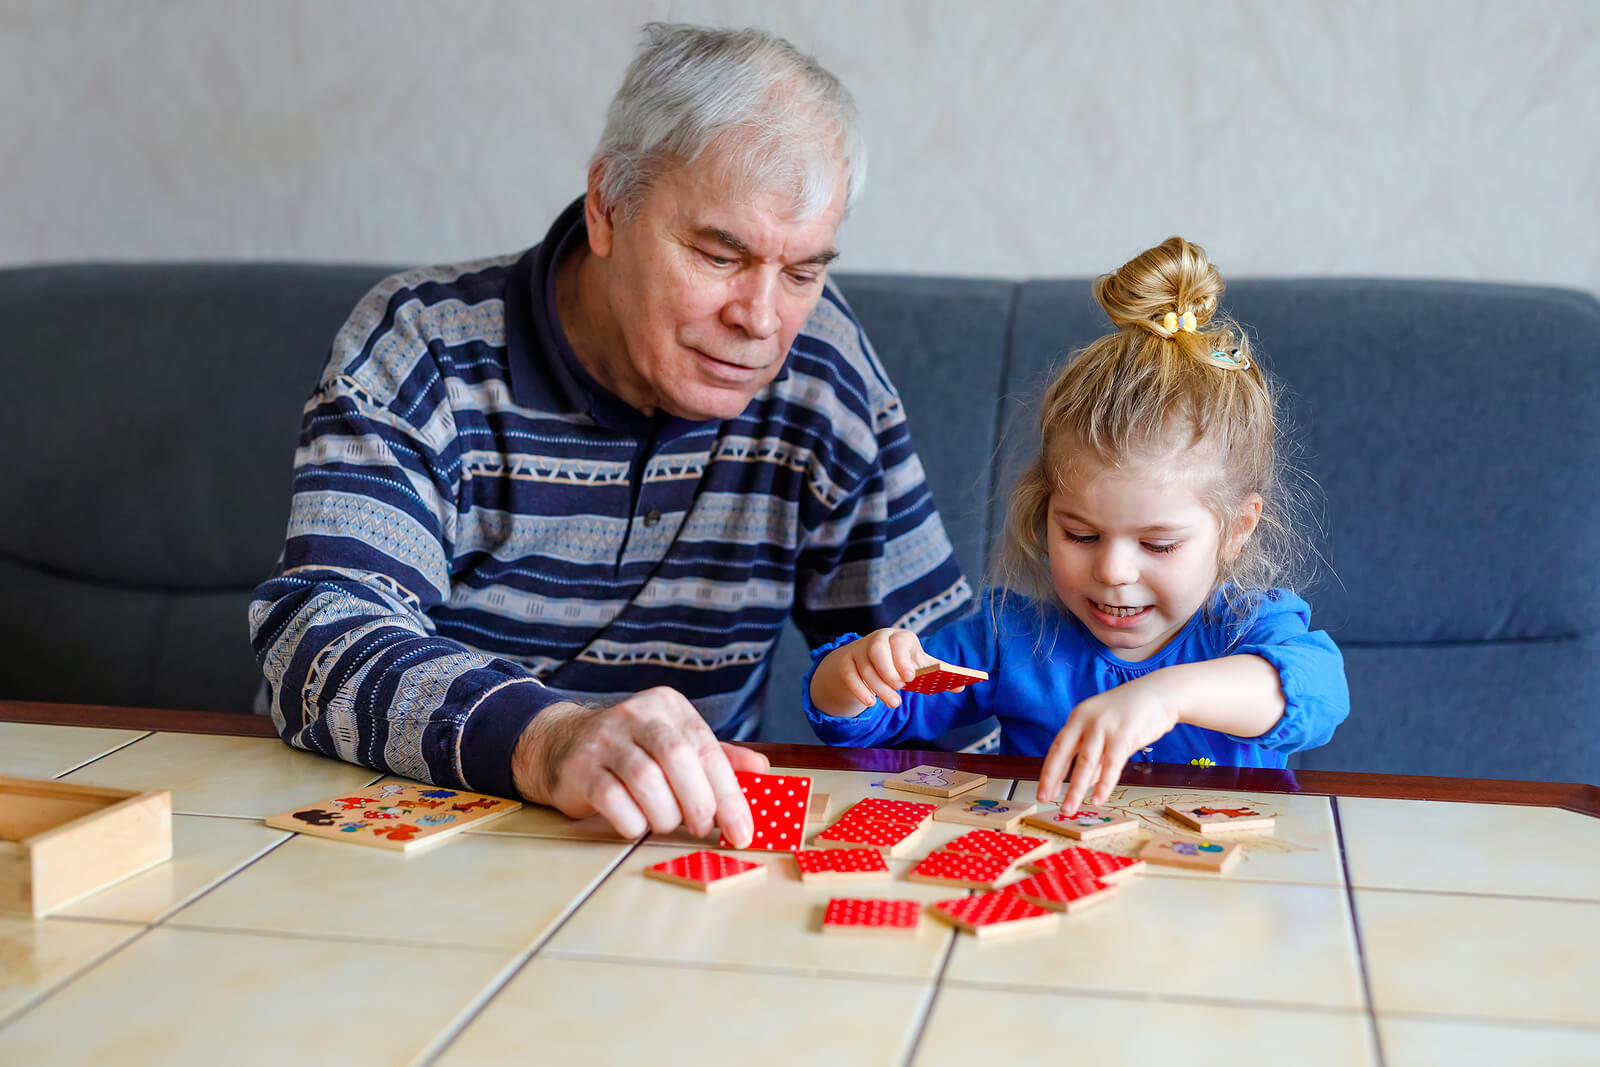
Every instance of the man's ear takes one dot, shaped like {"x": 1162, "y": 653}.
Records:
{"x": 1243, "y": 525}
{"x": 597, "y": 216}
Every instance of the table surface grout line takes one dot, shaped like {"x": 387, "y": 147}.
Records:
{"x": 110, "y": 751}
{"x": 1355, "y": 929}
{"x": 442, "y": 1041}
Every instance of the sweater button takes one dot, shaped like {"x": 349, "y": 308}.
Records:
{"x": 652, "y": 517}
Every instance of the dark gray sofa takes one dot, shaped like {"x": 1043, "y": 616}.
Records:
{"x": 151, "y": 412}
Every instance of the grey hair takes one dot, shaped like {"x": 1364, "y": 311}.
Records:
{"x": 788, "y": 123}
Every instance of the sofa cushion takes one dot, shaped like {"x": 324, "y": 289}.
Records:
{"x": 1453, "y": 429}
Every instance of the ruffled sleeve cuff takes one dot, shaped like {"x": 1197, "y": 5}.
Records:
{"x": 832, "y": 729}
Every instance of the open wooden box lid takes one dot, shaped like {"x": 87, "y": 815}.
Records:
{"x": 60, "y": 842}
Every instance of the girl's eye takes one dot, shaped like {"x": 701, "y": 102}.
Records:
{"x": 1079, "y": 539}
{"x": 1171, "y": 547}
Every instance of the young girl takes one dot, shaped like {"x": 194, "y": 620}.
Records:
{"x": 1135, "y": 616}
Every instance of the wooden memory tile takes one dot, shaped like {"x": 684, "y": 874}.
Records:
{"x": 1088, "y": 863}
{"x": 850, "y": 915}
{"x": 395, "y": 815}
{"x": 1013, "y": 848}
{"x": 966, "y": 869}
{"x": 914, "y": 812}
{"x": 1063, "y": 890}
{"x": 841, "y": 865}
{"x": 987, "y": 812}
{"x": 1195, "y": 855}
{"x": 893, "y": 838}
{"x": 1223, "y": 817}
{"x": 778, "y": 805}
{"x": 707, "y": 871}
{"x": 936, "y": 781}
{"x": 943, "y": 677}
{"x": 997, "y": 914}
{"x": 817, "y": 809}
{"x": 1084, "y": 825}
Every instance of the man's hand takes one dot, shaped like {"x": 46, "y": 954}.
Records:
{"x": 650, "y": 762}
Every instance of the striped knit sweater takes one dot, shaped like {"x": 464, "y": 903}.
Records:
{"x": 479, "y": 530}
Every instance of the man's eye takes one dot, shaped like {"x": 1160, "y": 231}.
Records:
{"x": 803, "y": 280}
{"x": 716, "y": 260}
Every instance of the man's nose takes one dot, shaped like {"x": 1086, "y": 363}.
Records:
{"x": 753, "y": 306}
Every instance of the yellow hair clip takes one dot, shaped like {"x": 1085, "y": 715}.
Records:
{"x": 1172, "y": 322}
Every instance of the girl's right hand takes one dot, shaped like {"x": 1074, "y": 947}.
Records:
{"x": 853, "y": 677}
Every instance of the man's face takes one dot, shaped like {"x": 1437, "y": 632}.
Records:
{"x": 706, "y": 289}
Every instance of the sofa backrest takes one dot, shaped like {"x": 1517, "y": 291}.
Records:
{"x": 1451, "y": 428}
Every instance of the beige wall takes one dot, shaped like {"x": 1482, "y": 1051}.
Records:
{"x": 1419, "y": 137}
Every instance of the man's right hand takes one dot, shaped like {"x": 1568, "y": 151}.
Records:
{"x": 650, "y": 762}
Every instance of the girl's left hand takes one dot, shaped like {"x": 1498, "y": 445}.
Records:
{"x": 1102, "y": 732}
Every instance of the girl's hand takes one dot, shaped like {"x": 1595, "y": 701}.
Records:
{"x": 1101, "y": 733}
{"x": 853, "y": 677}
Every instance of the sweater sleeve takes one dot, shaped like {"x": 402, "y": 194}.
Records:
{"x": 920, "y": 716}
{"x": 353, "y": 666}
{"x": 1310, "y": 670}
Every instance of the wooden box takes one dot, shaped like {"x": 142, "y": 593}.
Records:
{"x": 59, "y": 842}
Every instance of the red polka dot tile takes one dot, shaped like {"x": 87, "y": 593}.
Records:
{"x": 960, "y": 868}
{"x": 1013, "y": 848}
{"x": 707, "y": 870}
{"x": 906, "y": 811}
{"x": 990, "y": 914}
{"x": 943, "y": 677}
{"x": 1062, "y": 891}
{"x": 851, "y": 915}
{"x": 864, "y": 833}
{"x": 840, "y": 864}
{"x": 1088, "y": 863}
{"x": 778, "y": 804}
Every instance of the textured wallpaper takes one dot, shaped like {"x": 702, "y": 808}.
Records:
{"x": 1029, "y": 137}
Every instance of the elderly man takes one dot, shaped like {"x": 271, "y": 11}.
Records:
{"x": 551, "y": 510}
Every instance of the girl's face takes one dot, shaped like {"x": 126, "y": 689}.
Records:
{"x": 1134, "y": 552}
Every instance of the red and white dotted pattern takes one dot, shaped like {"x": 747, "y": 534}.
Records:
{"x": 990, "y": 909}
{"x": 1009, "y": 847}
{"x": 1087, "y": 863}
{"x": 778, "y": 805}
{"x": 1060, "y": 890}
{"x": 704, "y": 866}
{"x": 964, "y": 867}
{"x": 849, "y": 912}
{"x": 840, "y": 861}
{"x": 942, "y": 679}
{"x": 865, "y": 832}
{"x": 906, "y": 811}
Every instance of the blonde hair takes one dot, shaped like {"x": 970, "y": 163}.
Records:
{"x": 1147, "y": 391}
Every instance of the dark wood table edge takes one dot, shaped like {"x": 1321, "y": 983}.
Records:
{"x": 1575, "y": 797}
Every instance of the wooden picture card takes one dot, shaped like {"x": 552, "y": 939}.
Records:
{"x": 936, "y": 781}
{"x": 1085, "y": 824}
{"x": 1222, "y": 817}
{"x": 988, "y": 812}
{"x": 60, "y": 842}
{"x": 395, "y": 815}
{"x": 1194, "y": 855}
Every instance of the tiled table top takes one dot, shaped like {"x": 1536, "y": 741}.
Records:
{"x": 1363, "y": 931}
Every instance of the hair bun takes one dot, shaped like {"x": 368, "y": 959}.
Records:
{"x": 1175, "y": 277}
